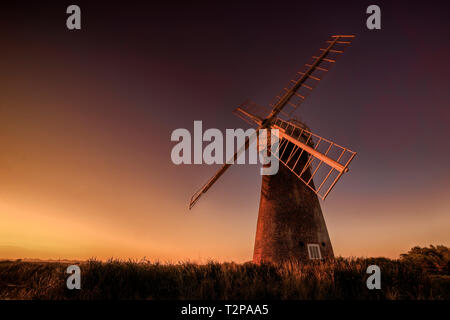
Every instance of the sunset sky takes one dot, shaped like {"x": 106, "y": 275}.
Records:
{"x": 86, "y": 118}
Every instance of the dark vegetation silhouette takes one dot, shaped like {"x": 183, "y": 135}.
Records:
{"x": 422, "y": 273}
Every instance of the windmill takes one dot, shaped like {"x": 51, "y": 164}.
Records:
{"x": 290, "y": 221}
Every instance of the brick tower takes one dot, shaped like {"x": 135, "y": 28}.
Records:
{"x": 290, "y": 222}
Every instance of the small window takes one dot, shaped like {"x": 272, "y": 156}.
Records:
{"x": 314, "y": 251}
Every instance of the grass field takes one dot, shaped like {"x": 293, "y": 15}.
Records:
{"x": 410, "y": 277}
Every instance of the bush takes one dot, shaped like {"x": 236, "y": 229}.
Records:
{"x": 435, "y": 260}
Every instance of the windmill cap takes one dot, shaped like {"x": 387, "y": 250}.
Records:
{"x": 300, "y": 124}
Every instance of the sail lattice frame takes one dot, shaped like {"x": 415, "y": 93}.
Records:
{"x": 324, "y": 161}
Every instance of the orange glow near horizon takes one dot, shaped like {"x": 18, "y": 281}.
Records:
{"x": 66, "y": 196}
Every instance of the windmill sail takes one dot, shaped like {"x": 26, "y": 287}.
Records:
{"x": 251, "y": 113}
{"x": 196, "y": 196}
{"x": 323, "y": 161}
{"x": 308, "y": 77}
{"x": 286, "y": 103}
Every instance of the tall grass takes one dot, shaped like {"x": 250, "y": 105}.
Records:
{"x": 339, "y": 278}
